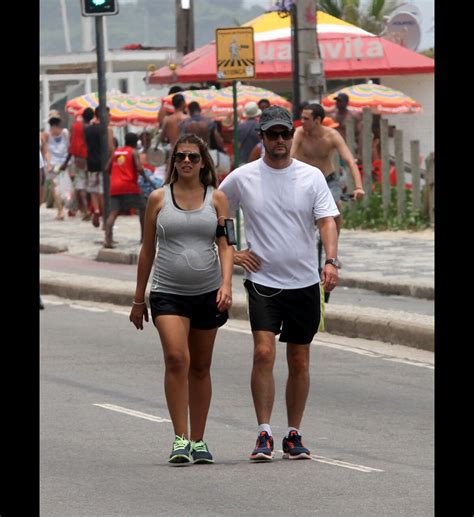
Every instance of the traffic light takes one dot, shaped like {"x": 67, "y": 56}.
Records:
{"x": 99, "y": 7}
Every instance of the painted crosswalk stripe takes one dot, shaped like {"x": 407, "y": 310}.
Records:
{"x": 132, "y": 412}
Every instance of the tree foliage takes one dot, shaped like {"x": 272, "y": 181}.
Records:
{"x": 368, "y": 16}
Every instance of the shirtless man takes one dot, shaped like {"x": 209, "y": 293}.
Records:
{"x": 170, "y": 129}
{"x": 314, "y": 143}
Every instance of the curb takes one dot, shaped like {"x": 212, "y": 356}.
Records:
{"x": 51, "y": 248}
{"x": 340, "y": 320}
{"x": 388, "y": 286}
{"x": 385, "y": 286}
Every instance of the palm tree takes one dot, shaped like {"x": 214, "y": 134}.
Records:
{"x": 369, "y": 17}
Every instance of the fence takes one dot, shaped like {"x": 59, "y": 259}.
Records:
{"x": 392, "y": 169}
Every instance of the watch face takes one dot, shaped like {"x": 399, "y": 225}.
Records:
{"x": 333, "y": 262}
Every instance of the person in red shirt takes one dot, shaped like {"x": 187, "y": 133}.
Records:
{"x": 78, "y": 151}
{"x": 125, "y": 194}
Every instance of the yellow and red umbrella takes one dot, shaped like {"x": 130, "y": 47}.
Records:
{"x": 218, "y": 104}
{"x": 381, "y": 99}
{"x": 124, "y": 108}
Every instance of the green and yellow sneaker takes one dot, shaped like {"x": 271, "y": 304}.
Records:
{"x": 200, "y": 452}
{"x": 181, "y": 452}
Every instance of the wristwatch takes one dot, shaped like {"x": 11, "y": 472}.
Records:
{"x": 334, "y": 262}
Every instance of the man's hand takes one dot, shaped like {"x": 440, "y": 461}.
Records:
{"x": 329, "y": 277}
{"x": 248, "y": 260}
{"x": 358, "y": 193}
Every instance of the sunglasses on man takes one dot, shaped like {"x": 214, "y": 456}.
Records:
{"x": 180, "y": 156}
{"x": 286, "y": 134}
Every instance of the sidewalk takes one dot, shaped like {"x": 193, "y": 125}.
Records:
{"x": 387, "y": 262}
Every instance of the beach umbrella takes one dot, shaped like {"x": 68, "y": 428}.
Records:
{"x": 218, "y": 104}
{"x": 125, "y": 109}
{"x": 381, "y": 99}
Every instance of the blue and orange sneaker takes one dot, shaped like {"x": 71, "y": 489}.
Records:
{"x": 293, "y": 448}
{"x": 263, "y": 448}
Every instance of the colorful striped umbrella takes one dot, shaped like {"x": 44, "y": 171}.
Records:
{"x": 124, "y": 108}
{"x": 219, "y": 104}
{"x": 381, "y": 99}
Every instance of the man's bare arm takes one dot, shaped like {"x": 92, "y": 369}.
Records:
{"x": 346, "y": 155}
{"x": 295, "y": 146}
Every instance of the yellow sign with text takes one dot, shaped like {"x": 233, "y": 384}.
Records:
{"x": 235, "y": 53}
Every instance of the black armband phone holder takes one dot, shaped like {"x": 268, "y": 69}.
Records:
{"x": 227, "y": 231}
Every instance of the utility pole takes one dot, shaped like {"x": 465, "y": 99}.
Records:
{"x": 65, "y": 25}
{"x": 99, "y": 9}
{"x": 307, "y": 65}
{"x": 311, "y": 75}
{"x": 184, "y": 27}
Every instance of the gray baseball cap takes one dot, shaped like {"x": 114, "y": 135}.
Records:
{"x": 275, "y": 116}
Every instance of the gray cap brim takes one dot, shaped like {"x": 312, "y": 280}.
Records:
{"x": 275, "y": 122}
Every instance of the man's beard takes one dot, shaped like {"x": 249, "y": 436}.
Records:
{"x": 277, "y": 155}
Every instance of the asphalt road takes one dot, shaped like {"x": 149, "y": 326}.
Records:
{"x": 368, "y": 424}
{"x": 341, "y": 295}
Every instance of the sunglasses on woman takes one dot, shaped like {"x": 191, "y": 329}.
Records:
{"x": 286, "y": 134}
{"x": 180, "y": 156}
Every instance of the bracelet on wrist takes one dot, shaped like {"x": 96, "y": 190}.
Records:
{"x": 138, "y": 303}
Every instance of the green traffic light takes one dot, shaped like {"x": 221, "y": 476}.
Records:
{"x": 98, "y": 2}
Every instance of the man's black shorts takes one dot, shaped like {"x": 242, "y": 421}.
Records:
{"x": 125, "y": 202}
{"x": 201, "y": 309}
{"x": 295, "y": 313}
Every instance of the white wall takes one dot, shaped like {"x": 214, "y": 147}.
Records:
{"x": 416, "y": 126}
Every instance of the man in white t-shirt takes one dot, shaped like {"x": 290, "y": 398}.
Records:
{"x": 281, "y": 198}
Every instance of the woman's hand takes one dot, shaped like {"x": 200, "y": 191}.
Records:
{"x": 137, "y": 314}
{"x": 224, "y": 298}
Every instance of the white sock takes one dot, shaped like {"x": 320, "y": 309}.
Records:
{"x": 291, "y": 429}
{"x": 266, "y": 428}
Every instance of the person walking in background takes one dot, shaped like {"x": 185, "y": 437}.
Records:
{"x": 125, "y": 193}
{"x": 342, "y": 115}
{"x": 55, "y": 144}
{"x": 247, "y": 131}
{"x": 78, "y": 152}
{"x": 153, "y": 182}
{"x": 170, "y": 125}
{"x": 95, "y": 186}
{"x": 315, "y": 142}
{"x": 281, "y": 198}
{"x": 198, "y": 124}
{"x": 263, "y": 104}
{"x": 41, "y": 196}
{"x": 162, "y": 113}
{"x": 190, "y": 294}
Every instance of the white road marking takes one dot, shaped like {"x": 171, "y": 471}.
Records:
{"x": 85, "y": 308}
{"x": 339, "y": 463}
{"x": 345, "y": 348}
{"x": 230, "y": 328}
{"x": 132, "y": 412}
{"x": 406, "y": 361}
{"x": 345, "y": 464}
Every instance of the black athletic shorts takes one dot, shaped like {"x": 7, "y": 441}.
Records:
{"x": 292, "y": 313}
{"x": 124, "y": 202}
{"x": 201, "y": 309}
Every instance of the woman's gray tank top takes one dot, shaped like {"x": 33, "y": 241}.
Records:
{"x": 186, "y": 262}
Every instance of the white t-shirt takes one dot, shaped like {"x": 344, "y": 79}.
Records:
{"x": 279, "y": 208}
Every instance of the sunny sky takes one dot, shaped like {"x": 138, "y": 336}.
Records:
{"x": 427, "y": 11}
